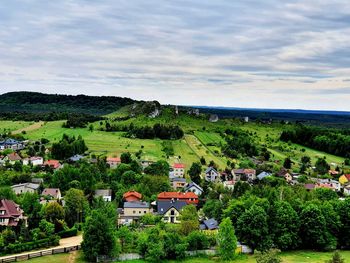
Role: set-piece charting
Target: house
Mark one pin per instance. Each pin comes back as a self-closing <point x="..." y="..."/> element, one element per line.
<point x="263" y="175"/>
<point x="243" y="174"/>
<point x="178" y="170"/>
<point x="332" y="183"/>
<point x="13" y="157"/>
<point x="283" y="172"/>
<point x="209" y="224"/>
<point x="106" y="194"/>
<point x="35" y="161"/>
<point x="25" y="188"/>
<point x="10" y="213"/>
<point x="132" y="212"/>
<point x="229" y="184"/>
<point x="326" y="185"/>
<point x="345" y="178"/>
<point x="132" y="196"/>
<point x="211" y="175"/>
<point x="178" y="183"/>
<point x="347" y="190"/>
<point x="170" y="210"/>
<point x="113" y="162"/>
<point x="193" y="187"/>
<point x="189" y="197"/>
<point x="53" y="164"/>
<point x="52" y="193"/>
<point x="11" y="144"/>
<point x="333" y="172"/>
<point x="76" y="158"/>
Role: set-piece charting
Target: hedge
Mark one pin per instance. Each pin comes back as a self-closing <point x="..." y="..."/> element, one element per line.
<point x="68" y="233"/>
<point x="43" y="243"/>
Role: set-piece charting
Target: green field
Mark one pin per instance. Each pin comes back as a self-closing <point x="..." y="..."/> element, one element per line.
<point x="7" y="126"/>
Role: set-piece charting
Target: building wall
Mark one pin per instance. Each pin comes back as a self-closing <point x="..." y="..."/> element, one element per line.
<point x="172" y="216"/>
<point x="136" y="211"/>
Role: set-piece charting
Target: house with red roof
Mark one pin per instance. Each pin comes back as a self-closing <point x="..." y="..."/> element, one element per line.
<point x="54" y="164"/>
<point x="113" y="162"/>
<point x="178" y="170"/>
<point x="132" y="196"/>
<point x="13" y="157"/>
<point x="10" y="213"/>
<point x="52" y="193"/>
<point x="189" y="197"/>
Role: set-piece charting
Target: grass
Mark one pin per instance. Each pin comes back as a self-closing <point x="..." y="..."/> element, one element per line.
<point x="287" y="257"/>
<point x="7" y="126"/>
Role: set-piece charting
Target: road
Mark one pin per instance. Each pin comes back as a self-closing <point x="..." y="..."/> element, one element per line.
<point x="64" y="242"/>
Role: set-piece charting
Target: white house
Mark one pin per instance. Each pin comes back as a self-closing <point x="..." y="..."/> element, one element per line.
<point x="211" y="175"/>
<point x="178" y="170"/>
<point x="25" y="188"/>
<point x="193" y="187"/>
<point x="35" y="160"/>
<point x="106" y="194"/>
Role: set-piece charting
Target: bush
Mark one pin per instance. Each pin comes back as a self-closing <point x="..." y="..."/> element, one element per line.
<point x="68" y="233"/>
<point x="198" y="240"/>
<point x="43" y="243"/>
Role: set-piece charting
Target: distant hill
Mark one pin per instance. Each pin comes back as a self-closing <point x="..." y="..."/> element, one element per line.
<point x="34" y="102"/>
<point x="316" y="117"/>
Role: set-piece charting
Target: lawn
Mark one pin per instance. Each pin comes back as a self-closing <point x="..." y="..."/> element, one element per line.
<point x="6" y="126"/>
<point x="287" y="257"/>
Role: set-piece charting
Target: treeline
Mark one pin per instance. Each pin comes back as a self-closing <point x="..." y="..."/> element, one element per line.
<point x="239" y="143"/>
<point x="67" y="147"/>
<point x="47" y="116"/>
<point x="272" y="215"/>
<point x="80" y="120"/>
<point x="333" y="141"/>
<point x="161" y="131"/>
<point x="39" y="102"/>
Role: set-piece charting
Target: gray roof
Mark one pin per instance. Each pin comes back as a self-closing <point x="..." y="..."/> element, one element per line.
<point x="103" y="192"/>
<point x="211" y="224"/>
<point x="263" y="175"/>
<point x="76" y="158"/>
<point x="28" y="185"/>
<point x="164" y="206"/>
<point x="193" y="184"/>
<point x="178" y="179"/>
<point x="209" y="169"/>
<point x="136" y="204"/>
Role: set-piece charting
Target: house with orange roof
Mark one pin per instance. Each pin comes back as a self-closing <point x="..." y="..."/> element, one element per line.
<point x="54" y="164"/>
<point x="113" y="162"/>
<point x="189" y="197"/>
<point x="132" y="196"/>
<point x="345" y="178"/>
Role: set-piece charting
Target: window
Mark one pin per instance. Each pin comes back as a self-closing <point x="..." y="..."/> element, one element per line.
<point x="2" y="212"/>
<point x="139" y="212"/>
<point x="2" y="220"/>
<point x="144" y="212"/>
<point x="134" y="212"/>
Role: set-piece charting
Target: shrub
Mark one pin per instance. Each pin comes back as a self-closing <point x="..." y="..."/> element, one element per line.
<point x="68" y="233"/>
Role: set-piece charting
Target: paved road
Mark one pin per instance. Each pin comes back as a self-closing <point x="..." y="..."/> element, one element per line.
<point x="64" y="242"/>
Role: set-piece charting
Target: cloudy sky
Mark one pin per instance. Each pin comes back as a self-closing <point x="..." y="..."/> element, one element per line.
<point x="262" y="54"/>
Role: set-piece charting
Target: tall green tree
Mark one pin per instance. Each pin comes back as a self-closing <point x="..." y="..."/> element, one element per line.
<point x="227" y="240"/>
<point x="189" y="220"/>
<point x="99" y="237"/>
<point x="195" y="172"/>
<point x="252" y="228"/>
<point x="284" y="225"/>
<point x="75" y="207"/>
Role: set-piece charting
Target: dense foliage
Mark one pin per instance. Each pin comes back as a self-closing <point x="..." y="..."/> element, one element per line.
<point x="333" y="141"/>
<point x="67" y="147"/>
<point x="239" y="143"/>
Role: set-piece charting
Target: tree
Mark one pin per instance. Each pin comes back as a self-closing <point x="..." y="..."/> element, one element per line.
<point x="270" y="256"/>
<point x="213" y="208"/>
<point x="189" y="220"/>
<point x="203" y="161"/>
<point x="287" y="163"/>
<point x="315" y="234"/>
<point x="31" y="207"/>
<point x="54" y="213"/>
<point x="195" y="172"/>
<point x="284" y="226"/>
<point x="227" y="240"/>
<point x="158" y="168"/>
<point x="125" y="158"/>
<point x="99" y="237"/>
<point x="75" y="206"/>
<point x="252" y="228"/>
<point x="322" y="167"/>
<point x="336" y="258"/>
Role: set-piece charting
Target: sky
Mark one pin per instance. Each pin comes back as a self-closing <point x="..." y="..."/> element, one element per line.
<point x="255" y="54"/>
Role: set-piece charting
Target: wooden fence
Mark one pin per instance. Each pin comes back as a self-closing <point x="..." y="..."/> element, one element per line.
<point x="39" y="254"/>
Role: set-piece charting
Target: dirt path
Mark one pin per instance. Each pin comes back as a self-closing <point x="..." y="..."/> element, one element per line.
<point x="32" y="127"/>
<point x="64" y="242"/>
<point x="72" y="256"/>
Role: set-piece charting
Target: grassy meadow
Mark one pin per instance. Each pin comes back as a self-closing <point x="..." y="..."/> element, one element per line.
<point x="202" y="138"/>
